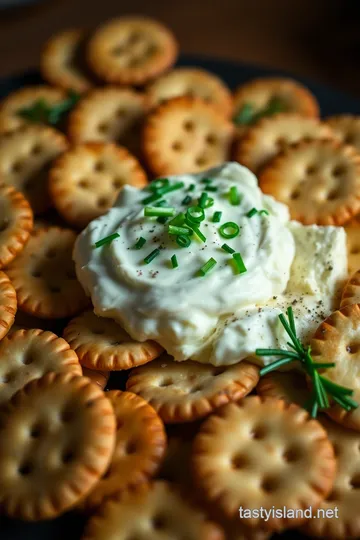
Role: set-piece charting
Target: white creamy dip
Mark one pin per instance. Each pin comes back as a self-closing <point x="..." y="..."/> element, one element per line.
<point x="222" y="317"/>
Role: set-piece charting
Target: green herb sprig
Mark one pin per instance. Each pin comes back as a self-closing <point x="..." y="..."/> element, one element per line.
<point x="323" y="390"/>
<point x="248" y="115"/>
<point x="45" y="113"/>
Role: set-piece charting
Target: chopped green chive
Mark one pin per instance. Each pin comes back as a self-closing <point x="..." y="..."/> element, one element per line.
<point x="106" y="240"/>
<point x="191" y="187"/>
<point x="245" y="115"/>
<point x="216" y="217"/>
<point x="140" y="243"/>
<point x="198" y="233"/>
<point x="234" y="196"/>
<point x="187" y="200"/>
<point x="239" y="263"/>
<point x="151" y="211"/>
<point x="152" y="256"/>
<point x="174" y="261"/>
<point x="183" y="241"/>
<point x="206" y="181"/>
<point x="227" y="248"/>
<point x="265" y="212"/>
<point x="195" y="214"/>
<point x="161" y="203"/>
<point x="158" y="184"/>
<point x="162" y="191"/>
<point x="178" y="220"/>
<point x="212" y="188"/>
<point x="229" y="230"/>
<point x="162" y="219"/>
<point x="207" y="267"/>
<point x="173" y="229"/>
<point x="203" y="199"/>
<point x="251" y="213"/>
<point x="209" y="203"/>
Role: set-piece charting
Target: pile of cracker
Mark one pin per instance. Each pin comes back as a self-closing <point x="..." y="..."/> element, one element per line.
<point x="185" y="446"/>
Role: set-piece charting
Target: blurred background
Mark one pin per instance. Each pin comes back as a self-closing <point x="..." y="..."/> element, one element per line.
<point x="319" y="39"/>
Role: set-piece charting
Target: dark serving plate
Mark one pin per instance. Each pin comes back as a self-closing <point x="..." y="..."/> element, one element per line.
<point x="331" y="101"/>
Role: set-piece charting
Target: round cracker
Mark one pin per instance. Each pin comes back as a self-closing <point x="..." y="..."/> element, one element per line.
<point x="30" y="354"/>
<point x="102" y="344"/>
<point x="291" y="386"/>
<point x="62" y="428"/>
<point x="193" y="82"/>
<point x="351" y="291"/>
<point x="186" y="391"/>
<point x="44" y="275"/>
<point x="338" y="340"/>
<point x="345" y="494"/>
<point x="186" y="134"/>
<point x="85" y="181"/>
<point x="263" y="452"/>
<point x="61" y="61"/>
<point x="16" y="223"/>
<point x="26" y="97"/>
<point x="347" y="128"/>
<point x="139" y="447"/>
<point x="268" y="137"/>
<point x="157" y="509"/>
<point x="131" y="50"/>
<point x="109" y="114"/>
<point x="98" y="377"/>
<point x="352" y="229"/>
<point x="8" y="304"/>
<point x="25" y="156"/>
<point x="318" y="180"/>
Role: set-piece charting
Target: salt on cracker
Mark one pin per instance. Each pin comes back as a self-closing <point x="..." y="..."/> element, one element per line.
<point x="318" y="180"/>
<point x="186" y="391"/>
<point x="98" y="377"/>
<point x="44" y="275"/>
<point x="186" y="134"/>
<point x="273" y="134"/>
<point x="193" y="82"/>
<point x="16" y="223"/>
<point x="8" y="304"/>
<point x="139" y="447"/>
<point x="26" y="97"/>
<point x="25" y="157"/>
<point x="85" y="181"/>
<point x="101" y="343"/>
<point x="290" y="386"/>
<point x="109" y="114"/>
<point x="263" y="452"/>
<point x="158" y="509"/>
<point x="62" y="428"/>
<point x="338" y="340"/>
<point x="62" y="63"/>
<point x="351" y="291"/>
<point x="352" y="229"/>
<point x="346" y="127"/>
<point x="131" y="50"/>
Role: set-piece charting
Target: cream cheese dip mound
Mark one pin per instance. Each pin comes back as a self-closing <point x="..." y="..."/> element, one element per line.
<point x="223" y="316"/>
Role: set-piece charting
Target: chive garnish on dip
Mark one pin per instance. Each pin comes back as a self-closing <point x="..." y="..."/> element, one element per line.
<point x="106" y="240"/>
<point x="228" y="249"/>
<point x="229" y="230"/>
<point x="251" y="213"/>
<point x="217" y="217"/>
<point x="239" y="263"/>
<point x="44" y="112"/>
<point x="203" y="199"/>
<point x="152" y="211"/>
<point x="322" y="388"/>
<point x="212" y="188"/>
<point x="140" y="243"/>
<point x="174" y="261"/>
<point x="191" y="187"/>
<point x="207" y="181"/>
<point x="173" y="229"/>
<point x="195" y="214"/>
<point x="187" y="200"/>
<point x="152" y="256"/>
<point x="183" y="241"/>
<point x="234" y="196"/>
<point x="209" y="265"/>
<point x="168" y="188"/>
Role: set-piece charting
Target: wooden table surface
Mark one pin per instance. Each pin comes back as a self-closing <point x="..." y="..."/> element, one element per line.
<point x="313" y="38"/>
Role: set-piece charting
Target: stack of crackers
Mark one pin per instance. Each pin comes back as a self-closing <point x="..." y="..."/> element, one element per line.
<point x="182" y="449"/>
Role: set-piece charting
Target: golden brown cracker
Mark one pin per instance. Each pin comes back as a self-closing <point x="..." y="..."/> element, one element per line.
<point x="44" y="275"/>
<point x="98" y="377"/>
<point x="346" y="127"/>
<point x="8" y="305"/>
<point x="318" y="180"/>
<point x="185" y="134"/>
<point x="186" y="391"/>
<point x="351" y="291"/>
<point x="57" y="438"/>
<point x="102" y="344"/>
<point x="263" y="452"/>
<point x="85" y="181"/>
<point x="291" y="386"/>
<point x="131" y="50"/>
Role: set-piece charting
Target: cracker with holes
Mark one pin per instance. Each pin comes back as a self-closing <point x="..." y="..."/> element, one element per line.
<point x="109" y="114"/>
<point x="338" y="340"/>
<point x="347" y="128"/>
<point x="352" y="229"/>
<point x="159" y="509"/>
<point x="8" y="304"/>
<point x="290" y="386"/>
<point x="318" y="180"/>
<point x="139" y="447"/>
<point x="30" y="354"/>
<point x="62" y="428"/>
<point x="44" y="275"/>
<point x="131" y="50"/>
<point x="62" y="63"/>
<point x="25" y="158"/>
<point x="11" y="118"/>
<point x="344" y="500"/>
<point x="98" y="377"/>
<point x="16" y="223"/>
<point x="351" y="291"/>
<point x="186" y="391"/>
<point x="85" y="181"/>
<point x="193" y="82"/>
<point x="186" y="134"/>
<point x="273" y="134"/>
<point x="102" y="344"/>
<point x="263" y="452"/>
